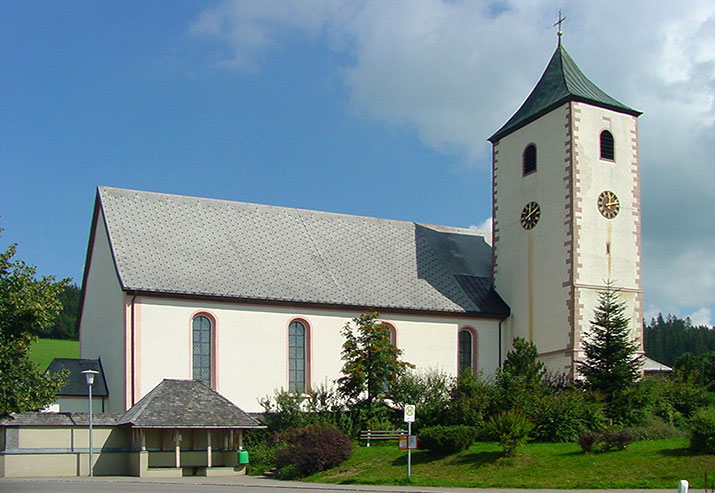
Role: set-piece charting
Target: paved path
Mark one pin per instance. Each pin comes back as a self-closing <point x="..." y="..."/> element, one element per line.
<point x="243" y="484"/>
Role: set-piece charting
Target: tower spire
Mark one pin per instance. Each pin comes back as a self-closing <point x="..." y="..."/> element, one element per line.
<point x="558" y="23"/>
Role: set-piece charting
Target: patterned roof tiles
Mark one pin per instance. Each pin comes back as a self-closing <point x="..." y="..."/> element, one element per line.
<point x="206" y="247"/>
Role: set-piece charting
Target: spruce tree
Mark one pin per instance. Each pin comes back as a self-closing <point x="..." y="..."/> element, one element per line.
<point x="612" y="363"/>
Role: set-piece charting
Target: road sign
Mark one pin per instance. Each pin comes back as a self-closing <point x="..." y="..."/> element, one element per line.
<point x="409" y="413"/>
<point x="407" y="442"/>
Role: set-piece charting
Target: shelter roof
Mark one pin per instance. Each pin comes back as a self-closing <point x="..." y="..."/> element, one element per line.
<point x="186" y="404"/>
<point x="179" y="245"/>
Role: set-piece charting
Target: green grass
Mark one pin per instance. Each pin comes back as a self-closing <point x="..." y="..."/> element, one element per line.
<point x="43" y="351"/>
<point x="646" y="464"/>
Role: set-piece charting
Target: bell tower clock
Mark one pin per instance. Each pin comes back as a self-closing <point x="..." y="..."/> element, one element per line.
<point x="566" y="211"/>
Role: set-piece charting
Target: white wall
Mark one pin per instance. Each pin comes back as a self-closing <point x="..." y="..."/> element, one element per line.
<point x="252" y="357"/>
<point x="102" y="324"/>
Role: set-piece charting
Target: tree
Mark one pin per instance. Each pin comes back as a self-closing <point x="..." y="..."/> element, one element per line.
<point x="26" y="305"/>
<point x="520" y="381"/>
<point x="612" y="364"/>
<point x="372" y="362"/>
<point x="65" y="325"/>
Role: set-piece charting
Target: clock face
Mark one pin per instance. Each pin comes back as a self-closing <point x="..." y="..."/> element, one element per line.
<point x="530" y="215"/>
<point x="608" y="204"/>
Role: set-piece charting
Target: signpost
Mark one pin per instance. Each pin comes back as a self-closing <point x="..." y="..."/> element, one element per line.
<point x="411" y="441"/>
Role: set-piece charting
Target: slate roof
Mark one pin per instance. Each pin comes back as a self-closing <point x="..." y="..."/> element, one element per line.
<point x="61" y="419"/>
<point x="76" y="384"/>
<point x="186" y="404"/>
<point x="562" y="81"/>
<point x="183" y="245"/>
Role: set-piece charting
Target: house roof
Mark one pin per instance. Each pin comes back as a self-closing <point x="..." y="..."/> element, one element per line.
<point x="173" y="244"/>
<point x="562" y="81"/>
<point x="651" y="365"/>
<point x="186" y="404"/>
<point x="76" y="385"/>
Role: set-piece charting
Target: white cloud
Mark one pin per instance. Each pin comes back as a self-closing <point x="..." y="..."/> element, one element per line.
<point x="456" y="70"/>
<point x="702" y="316"/>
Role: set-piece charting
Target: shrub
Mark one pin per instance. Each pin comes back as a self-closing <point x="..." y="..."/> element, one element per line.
<point x="588" y="441"/>
<point x="702" y="425"/>
<point x="428" y="390"/>
<point x="313" y="449"/>
<point x="447" y="439"/>
<point x="605" y="442"/>
<point x="471" y="399"/>
<point x="655" y="428"/>
<point x="564" y="417"/>
<point x="510" y="429"/>
<point x="616" y="440"/>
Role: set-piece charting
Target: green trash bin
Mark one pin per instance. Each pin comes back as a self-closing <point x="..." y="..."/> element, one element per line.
<point x="243" y="456"/>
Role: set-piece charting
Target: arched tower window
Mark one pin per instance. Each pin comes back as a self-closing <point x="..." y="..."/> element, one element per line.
<point x="297" y="357"/>
<point x="607" y="151"/>
<point x="529" y="159"/>
<point x="201" y="343"/>
<point x="466" y="350"/>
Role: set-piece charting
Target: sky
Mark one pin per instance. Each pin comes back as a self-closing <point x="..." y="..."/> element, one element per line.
<point x="362" y="107"/>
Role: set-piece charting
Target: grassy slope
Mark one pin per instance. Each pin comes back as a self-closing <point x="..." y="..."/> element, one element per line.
<point x="646" y="464"/>
<point x="44" y="351"/>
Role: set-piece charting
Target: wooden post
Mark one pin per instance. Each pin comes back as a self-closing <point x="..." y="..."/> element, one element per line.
<point x="208" y="448"/>
<point x="240" y="439"/>
<point x="142" y="439"/>
<point x="177" y="449"/>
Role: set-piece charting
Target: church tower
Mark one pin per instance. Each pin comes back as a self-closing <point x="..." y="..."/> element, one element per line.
<point x="566" y="209"/>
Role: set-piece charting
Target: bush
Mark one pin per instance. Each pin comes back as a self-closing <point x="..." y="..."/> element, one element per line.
<point x="702" y="425"/>
<point x="655" y="428"/>
<point x="510" y="429"/>
<point x="605" y="442"/>
<point x="471" y="400"/>
<point x="428" y="390"/>
<point x="313" y="449"/>
<point x="588" y="441"/>
<point x="615" y="440"/>
<point x="447" y="439"/>
<point x="564" y="417"/>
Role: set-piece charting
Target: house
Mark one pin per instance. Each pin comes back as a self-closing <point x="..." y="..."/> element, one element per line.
<point x="73" y="395"/>
<point x="251" y="298"/>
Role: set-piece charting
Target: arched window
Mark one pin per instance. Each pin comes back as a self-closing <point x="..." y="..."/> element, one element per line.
<point x="393" y="333"/>
<point x="201" y="327"/>
<point x="466" y="350"/>
<point x="607" y="151"/>
<point x="297" y="337"/>
<point x="529" y="159"/>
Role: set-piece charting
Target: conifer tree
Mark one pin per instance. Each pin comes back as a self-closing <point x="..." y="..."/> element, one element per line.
<point x="612" y="363"/>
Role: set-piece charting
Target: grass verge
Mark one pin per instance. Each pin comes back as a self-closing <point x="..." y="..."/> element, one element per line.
<point x="43" y="351"/>
<point x="646" y="464"/>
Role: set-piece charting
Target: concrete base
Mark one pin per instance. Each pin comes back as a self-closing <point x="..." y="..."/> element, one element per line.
<point x="221" y="471"/>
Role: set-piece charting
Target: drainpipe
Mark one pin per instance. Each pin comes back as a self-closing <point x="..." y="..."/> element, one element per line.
<point x="133" y="355"/>
<point x="500" y="336"/>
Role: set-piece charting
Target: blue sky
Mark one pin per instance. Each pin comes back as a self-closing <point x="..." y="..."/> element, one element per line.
<point x="363" y="107"/>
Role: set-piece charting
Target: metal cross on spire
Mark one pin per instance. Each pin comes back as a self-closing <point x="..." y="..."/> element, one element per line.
<point x="558" y="23"/>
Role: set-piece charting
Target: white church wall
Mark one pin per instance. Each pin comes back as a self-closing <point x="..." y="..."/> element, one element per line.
<point x="533" y="265"/>
<point x="102" y="326"/>
<point x="608" y="249"/>
<point x="252" y="344"/>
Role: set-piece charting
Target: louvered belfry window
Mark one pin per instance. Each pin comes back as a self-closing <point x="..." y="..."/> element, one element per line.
<point x="296" y="357"/>
<point x="607" y="151"/>
<point x="201" y="326"/>
<point x="529" y="159"/>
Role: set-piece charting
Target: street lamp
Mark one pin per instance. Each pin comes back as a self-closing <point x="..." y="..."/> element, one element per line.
<point x="89" y="376"/>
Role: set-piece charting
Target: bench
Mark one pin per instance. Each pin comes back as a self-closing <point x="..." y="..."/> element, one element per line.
<point x="369" y="435"/>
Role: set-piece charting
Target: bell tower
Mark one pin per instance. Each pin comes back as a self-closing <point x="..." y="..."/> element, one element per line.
<point x="566" y="211"/>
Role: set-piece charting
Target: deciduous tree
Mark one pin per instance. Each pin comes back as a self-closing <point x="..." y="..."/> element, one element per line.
<point x="26" y="305"/>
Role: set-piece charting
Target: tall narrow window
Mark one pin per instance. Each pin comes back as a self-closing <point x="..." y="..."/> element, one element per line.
<point x="296" y="357"/>
<point x="529" y="159"/>
<point x="201" y="326"/>
<point x="607" y="151"/>
<point x="466" y="352"/>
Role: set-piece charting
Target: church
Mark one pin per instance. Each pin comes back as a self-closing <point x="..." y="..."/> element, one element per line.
<point x="251" y="298"/>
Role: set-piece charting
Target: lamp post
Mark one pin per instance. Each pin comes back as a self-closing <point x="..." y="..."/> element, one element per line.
<point x="89" y="376"/>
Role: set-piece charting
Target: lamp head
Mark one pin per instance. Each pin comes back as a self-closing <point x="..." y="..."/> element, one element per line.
<point x="89" y="376"/>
